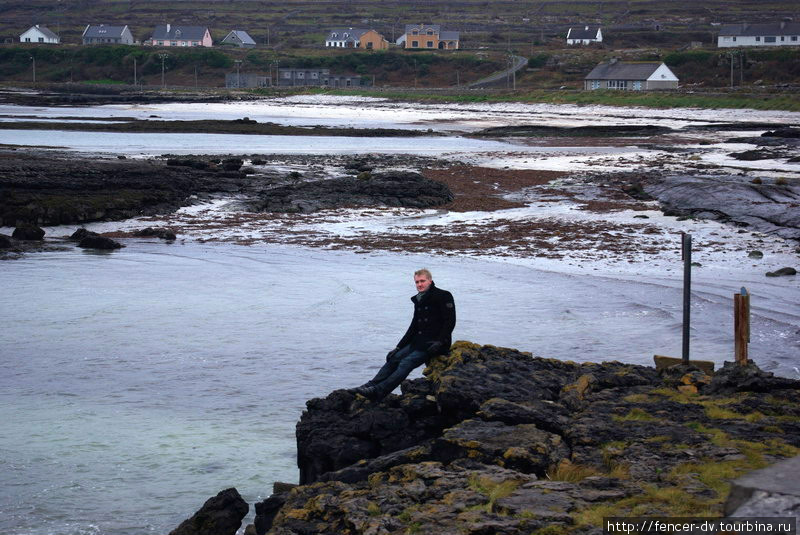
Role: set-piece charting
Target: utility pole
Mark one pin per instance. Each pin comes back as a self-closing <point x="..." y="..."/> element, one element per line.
<point x="163" y="80"/>
<point x="33" y="59"/>
<point x="195" y="76"/>
<point x="238" y="63"/>
<point x="731" y="69"/>
<point x="134" y="72"/>
<point x="686" y="253"/>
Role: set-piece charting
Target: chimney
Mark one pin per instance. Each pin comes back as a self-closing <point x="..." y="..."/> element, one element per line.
<point x="783" y="24"/>
<point x="168" y="26"/>
<point x="586" y="28"/>
<point x="612" y="61"/>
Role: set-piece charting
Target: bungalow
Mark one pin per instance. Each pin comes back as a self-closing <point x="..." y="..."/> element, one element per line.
<point x="39" y="34"/>
<point x="239" y="38"/>
<point x="635" y="76"/>
<point x="772" y="34"/>
<point x="372" y="40"/>
<point x="344" y="38"/>
<point x="99" y="34"/>
<point x="318" y="77"/>
<point x="585" y="35"/>
<point x="428" y="36"/>
<point x="168" y="35"/>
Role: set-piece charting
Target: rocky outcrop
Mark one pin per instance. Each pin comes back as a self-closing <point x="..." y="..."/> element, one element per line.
<point x="163" y="233"/>
<point x="772" y="208"/>
<point x="497" y="441"/>
<point x="99" y="242"/>
<point x="220" y="515"/>
<point x="397" y="188"/>
<point x="28" y="232"/>
<point x="782" y="272"/>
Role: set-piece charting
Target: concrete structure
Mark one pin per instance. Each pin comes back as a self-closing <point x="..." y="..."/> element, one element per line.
<point x="239" y="38"/>
<point x="428" y="36"/>
<point x="770" y="492"/>
<point x="631" y="76"/>
<point x="584" y="35"/>
<point x="180" y="36"/>
<point x="241" y="79"/>
<point x="317" y="77"/>
<point x="344" y="38"/>
<point x="102" y="34"/>
<point x="39" y="34"/>
<point x="774" y="34"/>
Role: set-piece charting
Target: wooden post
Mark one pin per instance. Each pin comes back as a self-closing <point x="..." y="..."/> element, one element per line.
<point x="741" y="325"/>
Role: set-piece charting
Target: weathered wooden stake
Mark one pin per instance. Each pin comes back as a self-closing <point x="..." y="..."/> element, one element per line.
<point x="741" y="325"/>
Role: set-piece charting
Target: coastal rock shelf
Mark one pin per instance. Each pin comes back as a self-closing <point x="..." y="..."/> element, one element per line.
<point x="494" y="440"/>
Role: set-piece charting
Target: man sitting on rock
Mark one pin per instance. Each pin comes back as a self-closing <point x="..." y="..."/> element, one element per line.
<point x="429" y="334"/>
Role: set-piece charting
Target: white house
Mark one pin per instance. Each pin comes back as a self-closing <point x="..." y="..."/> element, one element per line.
<point x="631" y="75"/>
<point x="584" y="35"/>
<point x="39" y="34"/>
<point x="239" y="38"/>
<point x="345" y="38"/>
<point x="772" y="34"/>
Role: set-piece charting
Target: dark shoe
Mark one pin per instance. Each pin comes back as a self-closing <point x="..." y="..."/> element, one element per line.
<point x="358" y="389"/>
<point x="371" y="392"/>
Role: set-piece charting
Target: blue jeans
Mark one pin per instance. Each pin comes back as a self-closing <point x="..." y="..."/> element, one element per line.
<point x="398" y="367"/>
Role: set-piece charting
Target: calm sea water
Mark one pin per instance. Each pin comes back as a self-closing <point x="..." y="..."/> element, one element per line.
<point x="136" y="384"/>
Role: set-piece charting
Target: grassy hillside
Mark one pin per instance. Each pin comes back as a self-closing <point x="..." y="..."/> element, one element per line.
<point x="291" y="33"/>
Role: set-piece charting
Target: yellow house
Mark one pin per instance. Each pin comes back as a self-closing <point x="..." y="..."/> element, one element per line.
<point x="372" y="40"/>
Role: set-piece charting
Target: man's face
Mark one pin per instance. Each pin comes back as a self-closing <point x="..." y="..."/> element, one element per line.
<point x="422" y="282"/>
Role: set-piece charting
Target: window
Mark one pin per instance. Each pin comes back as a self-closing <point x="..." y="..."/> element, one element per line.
<point x="734" y="39"/>
<point x="794" y="38"/>
<point x="348" y="82"/>
<point x="414" y="44"/>
<point x="369" y="45"/>
<point x="27" y="39"/>
<point x="415" y="32"/>
<point x="637" y="86"/>
<point x="315" y="75"/>
<point x="41" y="39"/>
<point x="183" y="43"/>
<point x="623" y="84"/>
<point x="430" y="44"/>
<point x="430" y="32"/>
<point x="770" y="39"/>
<point x="173" y="43"/>
<point x="287" y="74"/>
<point x="595" y="84"/>
<point x="783" y="39"/>
<point x="758" y="38"/>
<point x="301" y="75"/>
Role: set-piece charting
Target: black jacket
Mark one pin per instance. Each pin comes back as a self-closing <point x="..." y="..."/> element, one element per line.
<point x="434" y="320"/>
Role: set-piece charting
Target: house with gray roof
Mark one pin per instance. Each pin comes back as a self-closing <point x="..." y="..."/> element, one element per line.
<point x="584" y="35"/>
<point x="180" y="36"/>
<point x="631" y="76"/>
<point x="39" y="34"/>
<point x="770" y="34"/>
<point x="103" y="34"/>
<point x="239" y="38"/>
<point x="429" y="36"/>
<point x="344" y="37"/>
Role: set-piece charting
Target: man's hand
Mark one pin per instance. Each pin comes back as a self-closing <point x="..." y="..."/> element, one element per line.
<point x="391" y="353"/>
<point x="434" y="347"/>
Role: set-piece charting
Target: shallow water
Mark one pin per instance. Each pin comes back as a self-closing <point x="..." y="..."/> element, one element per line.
<point x="136" y="384"/>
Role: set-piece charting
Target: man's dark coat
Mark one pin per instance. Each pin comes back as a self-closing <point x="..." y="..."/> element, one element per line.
<point x="434" y="320"/>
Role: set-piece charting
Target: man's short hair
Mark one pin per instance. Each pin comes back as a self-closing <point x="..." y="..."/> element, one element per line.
<point x="423" y="272"/>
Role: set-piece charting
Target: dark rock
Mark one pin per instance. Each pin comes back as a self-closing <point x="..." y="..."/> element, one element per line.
<point x="163" y="233"/>
<point x="232" y="164"/>
<point x="761" y="207"/>
<point x="383" y="189"/>
<point x="99" y="242"/>
<point x="498" y="441"/>
<point x="749" y="378"/>
<point x="28" y="232"/>
<point x="783" y="132"/>
<point x="755" y="254"/>
<point x="5" y="241"/>
<point x="82" y="233"/>
<point x="220" y="515"/>
<point x="782" y="272"/>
